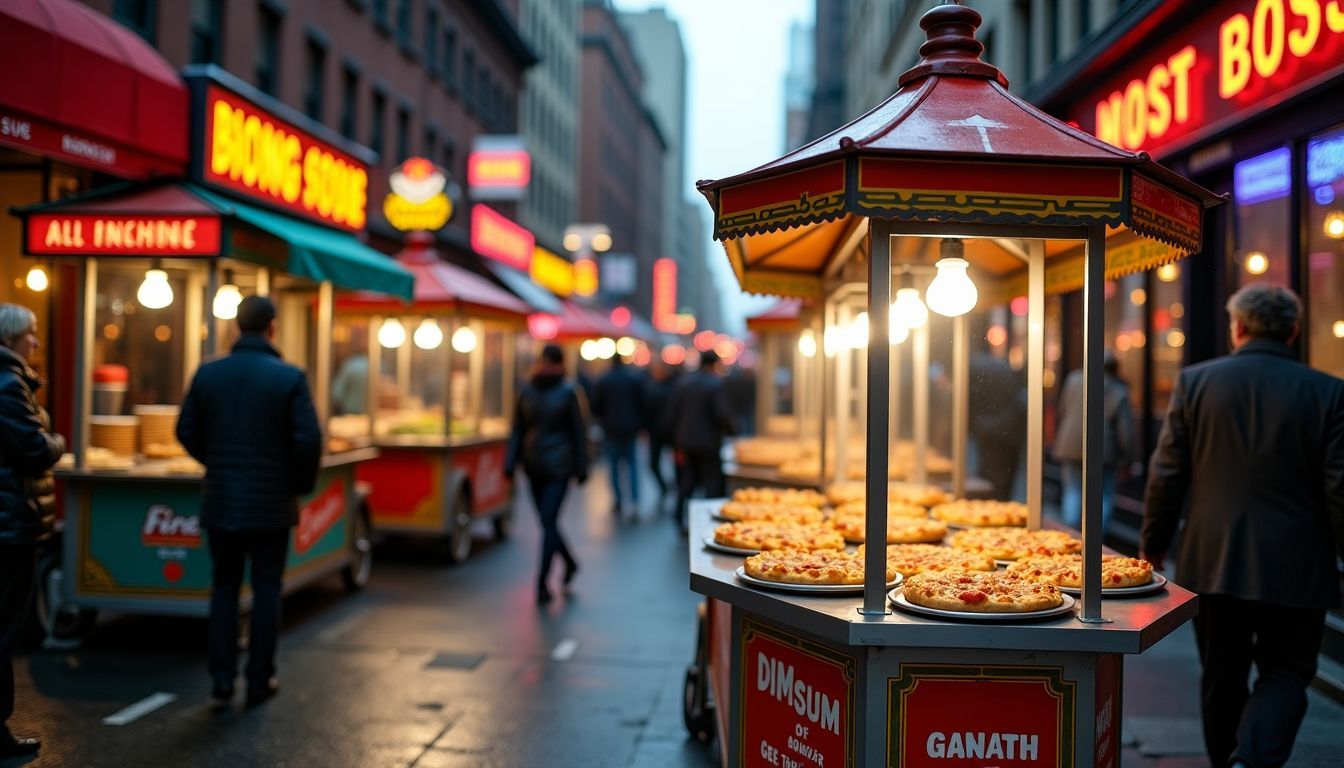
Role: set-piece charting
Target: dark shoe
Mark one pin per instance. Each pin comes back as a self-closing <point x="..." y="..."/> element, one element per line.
<point x="222" y="692"/>
<point x="16" y="747"/>
<point x="571" y="569"/>
<point x="543" y="596"/>
<point x="257" y="694"/>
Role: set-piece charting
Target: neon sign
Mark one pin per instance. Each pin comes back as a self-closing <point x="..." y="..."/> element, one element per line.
<point x="1263" y="177"/>
<point x="585" y="277"/>
<point x="552" y="271"/>
<point x="417" y="200"/>
<point x="665" y="295"/>
<point x="118" y="235"/>
<point x="495" y="237"/>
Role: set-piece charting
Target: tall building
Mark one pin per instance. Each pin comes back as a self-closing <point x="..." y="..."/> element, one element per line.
<point x="798" y="84"/>
<point x="829" y="106"/>
<point x="549" y="117"/>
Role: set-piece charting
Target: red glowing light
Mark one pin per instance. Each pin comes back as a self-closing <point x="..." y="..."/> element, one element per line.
<point x="1019" y="306"/>
<point x="665" y="295"/>
<point x="620" y="317"/>
<point x="543" y="327"/>
<point x="705" y="340"/>
<point x="674" y="354"/>
<point x="495" y="237"/>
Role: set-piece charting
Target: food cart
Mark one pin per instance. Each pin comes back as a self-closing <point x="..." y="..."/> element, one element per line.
<point x="808" y="679"/>
<point x="161" y="269"/>
<point x="430" y="384"/>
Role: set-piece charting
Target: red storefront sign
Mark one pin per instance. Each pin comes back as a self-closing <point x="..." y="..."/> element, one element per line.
<point x="665" y="295"/>
<point x="54" y="234"/>
<point x="505" y="169"/>
<point x="798" y="701"/>
<point x="953" y="716"/>
<point x="484" y="468"/>
<point x="38" y="136"/>
<point x="250" y="152"/>
<point x="1238" y="57"/>
<point x="495" y="237"/>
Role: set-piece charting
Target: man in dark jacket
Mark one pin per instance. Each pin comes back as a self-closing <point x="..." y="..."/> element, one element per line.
<point x="997" y="403"/>
<point x="249" y="418"/>
<point x="28" y="450"/>
<point x="549" y="440"/>
<point x="1253" y="449"/>
<point x="657" y="395"/>
<point x="618" y="407"/>
<point x="700" y="417"/>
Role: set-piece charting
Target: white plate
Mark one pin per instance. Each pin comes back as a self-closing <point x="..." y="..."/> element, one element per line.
<point x="833" y="589"/>
<point x="898" y="599"/>
<point x="1159" y="581"/>
<point x="710" y="543"/>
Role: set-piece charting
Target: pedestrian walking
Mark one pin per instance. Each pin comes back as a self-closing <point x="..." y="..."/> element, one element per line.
<point x="249" y="418"/>
<point x="1117" y="442"/>
<point x="998" y="420"/>
<point x="549" y="441"/>
<point x="1253" y="450"/>
<point x="618" y="406"/>
<point x="699" y="417"/>
<point x="28" y="450"/>
<point x="657" y="396"/>
<point x="741" y="386"/>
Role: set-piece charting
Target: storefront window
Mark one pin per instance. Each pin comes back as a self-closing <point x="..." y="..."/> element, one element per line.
<point x="1261" y="185"/>
<point x="1169" y="328"/>
<point x="413" y="388"/>
<point x="494" y="383"/>
<point x="147" y="349"/>
<point x="1126" y="303"/>
<point x="1325" y="250"/>
<point x="349" y="420"/>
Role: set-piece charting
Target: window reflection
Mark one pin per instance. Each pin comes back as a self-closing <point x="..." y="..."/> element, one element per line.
<point x="1261" y="185"/>
<point x="1325" y="250"/>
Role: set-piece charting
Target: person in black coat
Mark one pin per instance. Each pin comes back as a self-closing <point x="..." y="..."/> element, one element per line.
<point x="28" y="450"/>
<point x="249" y="418"/>
<point x="549" y="441"/>
<point x="998" y="419"/>
<point x="699" y="417"/>
<point x="618" y="406"/>
<point x="1252" y="450"/>
<point x="658" y="387"/>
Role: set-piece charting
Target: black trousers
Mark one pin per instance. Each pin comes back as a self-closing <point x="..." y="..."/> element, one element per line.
<point x="656" y="448"/>
<point x="1256" y="726"/>
<point x="702" y="470"/>
<point x="549" y="496"/>
<point x="18" y="566"/>
<point x="265" y="550"/>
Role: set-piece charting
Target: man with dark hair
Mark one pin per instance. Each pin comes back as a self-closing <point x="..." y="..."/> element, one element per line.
<point x="618" y="406"/>
<point x="699" y="417"/>
<point x="1253" y="449"/>
<point x="249" y="418"/>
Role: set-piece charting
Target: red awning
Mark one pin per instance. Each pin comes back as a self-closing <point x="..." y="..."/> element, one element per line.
<point x="580" y="322"/>
<point x="783" y="316"/>
<point x="81" y="88"/>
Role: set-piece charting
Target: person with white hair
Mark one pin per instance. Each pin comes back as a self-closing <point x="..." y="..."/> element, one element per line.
<point x="28" y="450"/>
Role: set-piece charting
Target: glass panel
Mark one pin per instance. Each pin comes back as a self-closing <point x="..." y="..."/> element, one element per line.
<point x="413" y="388"/>
<point x="348" y="425"/>
<point x="1126" y="302"/>
<point x="1260" y="189"/>
<point x="1325" y="251"/>
<point x="494" y="394"/>
<point x="1168" y="335"/>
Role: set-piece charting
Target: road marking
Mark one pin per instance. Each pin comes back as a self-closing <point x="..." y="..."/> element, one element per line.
<point x="564" y="651"/>
<point x="140" y="708"/>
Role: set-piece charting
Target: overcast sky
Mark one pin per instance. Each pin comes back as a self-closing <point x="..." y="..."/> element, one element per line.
<point x="737" y="51"/>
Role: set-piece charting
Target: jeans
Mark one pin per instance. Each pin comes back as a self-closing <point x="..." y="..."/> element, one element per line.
<point x="18" y="567"/>
<point x="549" y="496"/>
<point x="1071" y="502"/>
<point x="229" y="550"/>
<point x="621" y="450"/>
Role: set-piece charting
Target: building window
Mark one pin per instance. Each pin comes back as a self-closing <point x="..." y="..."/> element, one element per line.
<point x="404" y="23"/>
<point x="268" y="49"/>
<point x="139" y="15"/>
<point x="1261" y="187"/>
<point x="431" y="147"/>
<point x="449" y="157"/>
<point x="403" y="134"/>
<point x="469" y="80"/>
<point x="377" y="120"/>
<point x="207" y="29"/>
<point x="431" y="39"/>
<point x="1325" y="248"/>
<point x="317" y="80"/>
<point x="349" y="101"/>
<point x="450" y="56"/>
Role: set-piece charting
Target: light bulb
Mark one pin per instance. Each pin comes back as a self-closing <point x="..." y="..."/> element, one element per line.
<point x="37" y="279"/>
<point x="856" y="336"/>
<point x="807" y="343"/>
<point x="909" y="310"/>
<point x="464" y="339"/>
<point x="951" y="293"/>
<point x="830" y="341"/>
<point x="1168" y="273"/>
<point x="428" y="335"/>
<point x="601" y="242"/>
<point x="227" y="299"/>
<point x="896" y="333"/>
<point x="588" y="350"/>
<point x="155" y="292"/>
<point x="625" y="346"/>
<point x="392" y="334"/>
<point x="1334" y="227"/>
<point x="1257" y="263"/>
<point x="605" y="348"/>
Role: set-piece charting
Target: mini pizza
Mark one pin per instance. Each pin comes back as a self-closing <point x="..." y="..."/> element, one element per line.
<point x="769" y="511"/>
<point x="767" y="535"/>
<point x="766" y="451"/>
<point x="918" y="493"/>
<point x="980" y="592"/>
<point x="982" y="513"/>
<point x="790" y="496"/>
<point x="796" y="566"/>
<point x="894" y="509"/>
<point x="900" y="530"/>
<point x="1015" y="543"/>
<point x="909" y="559"/>
<point x="1117" y="572"/>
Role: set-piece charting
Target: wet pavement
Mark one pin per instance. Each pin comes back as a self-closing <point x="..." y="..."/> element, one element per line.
<point x="435" y="665"/>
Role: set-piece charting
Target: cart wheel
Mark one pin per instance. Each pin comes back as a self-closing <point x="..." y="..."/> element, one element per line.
<point x="459" y="529"/>
<point x="504" y="523"/>
<point x="698" y="716"/>
<point x="356" y="574"/>
<point x="56" y="620"/>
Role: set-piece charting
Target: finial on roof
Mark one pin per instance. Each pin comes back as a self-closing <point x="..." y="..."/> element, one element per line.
<point x="952" y="48"/>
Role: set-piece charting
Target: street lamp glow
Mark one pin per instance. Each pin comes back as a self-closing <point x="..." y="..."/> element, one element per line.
<point x="605" y="348"/>
<point x="36" y="279"/>
<point x="909" y="310"/>
<point x="1257" y="263"/>
<point x="464" y="340"/>
<point x="428" y="335"/>
<point x="625" y="346"/>
<point x="588" y="350"/>
<point x="1168" y="273"/>
<point x="1334" y="225"/>
<point x="392" y="334"/>
<point x="155" y="292"/>
<point x="807" y="343"/>
<point x="573" y="242"/>
<point x="227" y="299"/>
<point x="951" y="293"/>
<point x="601" y="242"/>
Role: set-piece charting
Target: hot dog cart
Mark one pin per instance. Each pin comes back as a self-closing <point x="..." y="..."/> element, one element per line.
<point x="951" y="172"/>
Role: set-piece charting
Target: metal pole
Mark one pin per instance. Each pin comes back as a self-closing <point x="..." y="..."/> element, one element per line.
<point x="195" y="313"/>
<point x="1094" y="340"/>
<point x="862" y="395"/>
<point x="844" y="393"/>
<point x="920" y="372"/>
<point x="823" y="386"/>
<point x="878" y="372"/>
<point x="1035" y="377"/>
<point x="961" y="365"/>
<point x="88" y="300"/>
<point x="322" y="376"/>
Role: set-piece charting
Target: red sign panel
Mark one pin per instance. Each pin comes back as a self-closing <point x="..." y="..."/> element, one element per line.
<point x="40" y="137"/>
<point x="117" y="235"/>
<point x="495" y="237"/>
<point x="951" y="716"/>
<point x="1239" y="57"/>
<point x="505" y="169"/>
<point x="484" y="468"/>
<point x="319" y="515"/>
<point x="665" y="295"/>
<point x="797" y="701"/>
<point x="252" y="153"/>
<point x="1107" y="738"/>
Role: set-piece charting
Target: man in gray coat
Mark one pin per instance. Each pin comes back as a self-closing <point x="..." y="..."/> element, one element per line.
<point x="1253" y="450"/>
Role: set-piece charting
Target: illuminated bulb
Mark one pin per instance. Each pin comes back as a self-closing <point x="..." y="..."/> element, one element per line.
<point x="951" y="293"/>
<point x="1338" y="329"/>
<point x="856" y="336"/>
<point x="428" y="335"/>
<point x="625" y="346"/>
<point x="1168" y="273"/>
<point x="155" y="292"/>
<point x="37" y="279"/>
<point x="605" y="348"/>
<point x="601" y="242"/>
<point x="588" y="350"/>
<point x="1257" y="263"/>
<point x="392" y="334"/>
<point x="1334" y="227"/>
<point x="830" y="341"/>
<point x="807" y="343"/>
<point x="573" y="242"/>
<point x="464" y="340"/>
<point x="896" y="333"/>
<point x="1175" y="338"/>
<point x="227" y="299"/>
<point x="909" y="310"/>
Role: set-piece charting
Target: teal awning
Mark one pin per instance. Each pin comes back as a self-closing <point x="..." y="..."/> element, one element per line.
<point x="319" y="253"/>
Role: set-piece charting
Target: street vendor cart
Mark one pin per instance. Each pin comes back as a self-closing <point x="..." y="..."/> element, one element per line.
<point x="952" y="172"/>
<point x="430" y="384"/>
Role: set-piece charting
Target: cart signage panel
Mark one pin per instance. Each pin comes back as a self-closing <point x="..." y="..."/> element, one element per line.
<point x="954" y="716"/>
<point x="56" y="234"/>
<point x="798" y="701"/>
<point x="484" y="468"/>
<point x="141" y="542"/>
<point x="252" y="153"/>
